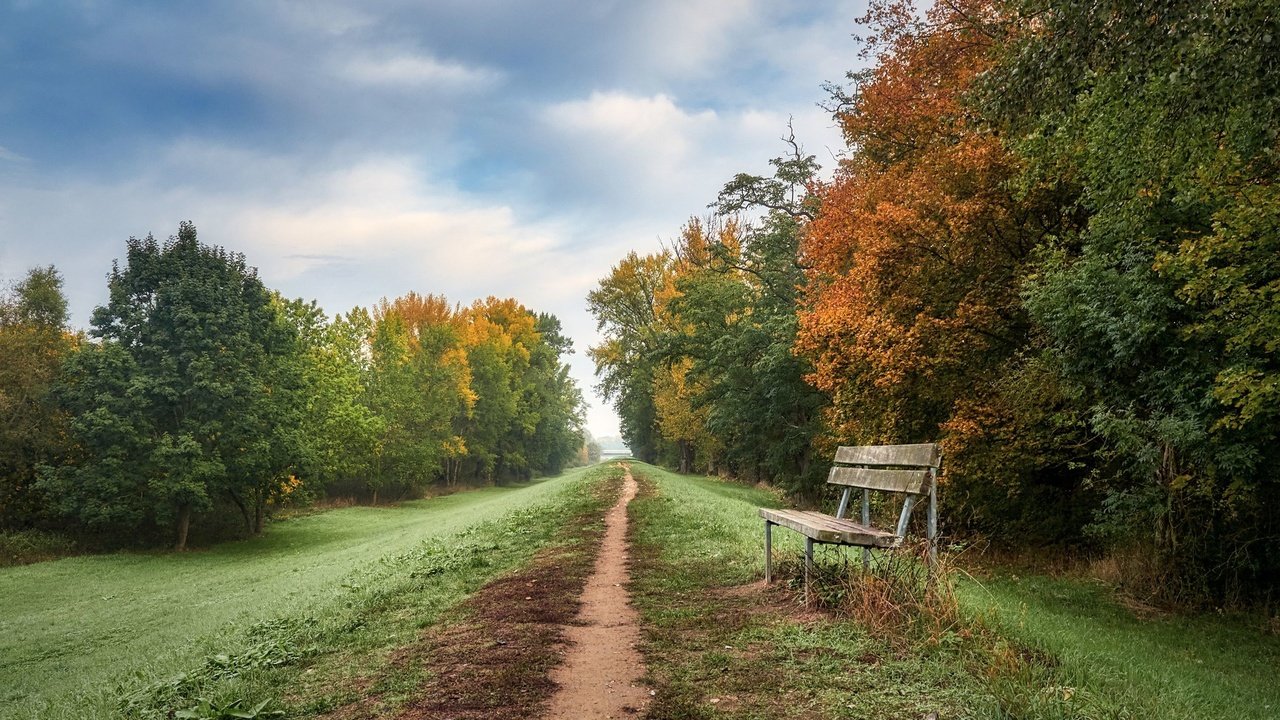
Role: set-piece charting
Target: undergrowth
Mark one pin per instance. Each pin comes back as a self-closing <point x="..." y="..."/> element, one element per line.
<point x="22" y="547"/>
<point x="897" y="592"/>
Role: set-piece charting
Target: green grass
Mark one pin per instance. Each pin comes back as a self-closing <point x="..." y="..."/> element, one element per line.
<point x="1204" y="666"/>
<point x="314" y="615"/>
<point x="717" y="650"/>
<point x="1030" y="648"/>
<point x="78" y="634"/>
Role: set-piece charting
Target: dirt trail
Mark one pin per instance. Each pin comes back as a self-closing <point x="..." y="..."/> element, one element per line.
<point x="600" y="675"/>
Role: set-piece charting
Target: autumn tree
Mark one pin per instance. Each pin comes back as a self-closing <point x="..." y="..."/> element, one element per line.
<point x="912" y="314"/>
<point x="477" y="393"/>
<point x="528" y="413"/>
<point x="34" y="342"/>
<point x="419" y="383"/>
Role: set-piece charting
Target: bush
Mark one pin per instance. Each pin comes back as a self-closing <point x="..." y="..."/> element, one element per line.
<point x="23" y="547"/>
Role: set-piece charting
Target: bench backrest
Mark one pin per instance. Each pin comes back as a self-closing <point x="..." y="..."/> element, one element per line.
<point x="892" y="468"/>
<point x="911" y="470"/>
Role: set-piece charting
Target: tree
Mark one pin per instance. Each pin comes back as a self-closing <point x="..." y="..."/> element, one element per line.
<point x="173" y="407"/>
<point x="419" y="384"/>
<point x="697" y="355"/>
<point x="338" y="430"/>
<point x="34" y="342"/>
<point x="740" y="308"/>
<point x="678" y="419"/>
<point x="626" y="307"/>
<point x="554" y="398"/>
<point x="1160" y="312"/>
<point x="912" y="314"/>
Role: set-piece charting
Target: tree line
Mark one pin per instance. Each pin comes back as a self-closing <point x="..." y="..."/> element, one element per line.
<point x="1052" y="243"/>
<point x="199" y="395"/>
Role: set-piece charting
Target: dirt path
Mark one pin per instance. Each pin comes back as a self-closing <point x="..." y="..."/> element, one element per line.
<point x="600" y="675"/>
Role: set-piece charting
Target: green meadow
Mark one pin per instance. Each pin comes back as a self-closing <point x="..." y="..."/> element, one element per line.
<point x="309" y="618"/>
<point x="1030" y="647"/>
<point x="75" y="634"/>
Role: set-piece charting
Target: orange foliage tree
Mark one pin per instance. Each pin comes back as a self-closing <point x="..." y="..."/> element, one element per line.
<point x="911" y="315"/>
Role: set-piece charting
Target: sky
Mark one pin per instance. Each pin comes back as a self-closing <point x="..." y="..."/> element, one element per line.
<point x="354" y="151"/>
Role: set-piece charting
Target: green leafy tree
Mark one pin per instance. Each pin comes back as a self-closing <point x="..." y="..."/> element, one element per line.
<point x="739" y="307"/>
<point x="1160" y="314"/>
<point x="338" y="431"/>
<point x="626" y="307"/>
<point x="173" y="407"/>
<point x="554" y="399"/>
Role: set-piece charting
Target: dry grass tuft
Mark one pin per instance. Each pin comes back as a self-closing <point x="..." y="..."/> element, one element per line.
<point x="897" y="594"/>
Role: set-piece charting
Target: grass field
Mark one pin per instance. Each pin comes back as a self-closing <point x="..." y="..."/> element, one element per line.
<point x="322" y="613"/>
<point x="1030" y="648"/>
<point x="77" y="635"/>
<point x="1189" y="667"/>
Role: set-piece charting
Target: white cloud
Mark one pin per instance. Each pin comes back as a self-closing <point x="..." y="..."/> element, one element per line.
<point x="411" y="70"/>
<point x="629" y="119"/>
<point x="648" y="159"/>
<point x="380" y="212"/>
<point x="691" y="37"/>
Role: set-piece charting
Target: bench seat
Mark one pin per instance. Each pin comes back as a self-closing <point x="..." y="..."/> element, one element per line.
<point x="909" y="471"/>
<point x="831" y="530"/>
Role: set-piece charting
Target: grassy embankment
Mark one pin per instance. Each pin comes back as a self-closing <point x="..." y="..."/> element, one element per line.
<point x="313" y="606"/>
<point x="1031" y="648"/>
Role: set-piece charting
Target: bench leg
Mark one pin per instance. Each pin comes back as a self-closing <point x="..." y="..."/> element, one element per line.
<point x="768" y="552"/>
<point x="933" y="521"/>
<point x="866" y="520"/>
<point x="808" y="564"/>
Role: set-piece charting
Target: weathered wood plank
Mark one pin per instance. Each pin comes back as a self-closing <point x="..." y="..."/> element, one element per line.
<point x="908" y="469"/>
<point x="914" y="482"/>
<point x="830" y="530"/>
<point x="921" y="455"/>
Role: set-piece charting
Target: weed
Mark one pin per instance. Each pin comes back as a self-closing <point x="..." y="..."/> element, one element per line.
<point x="22" y="547"/>
<point x="208" y="710"/>
<point x="896" y="592"/>
<point x="277" y="643"/>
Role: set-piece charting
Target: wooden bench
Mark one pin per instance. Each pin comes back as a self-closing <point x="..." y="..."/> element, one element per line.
<point x="907" y="470"/>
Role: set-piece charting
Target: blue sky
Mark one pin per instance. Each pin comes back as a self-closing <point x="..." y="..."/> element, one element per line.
<point x="360" y="150"/>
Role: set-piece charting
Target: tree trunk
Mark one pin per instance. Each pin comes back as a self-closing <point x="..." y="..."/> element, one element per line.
<point x="184" y="524"/>
<point x="375" y="496"/>
<point x="686" y="456"/>
<point x="259" y="514"/>
<point x="244" y="511"/>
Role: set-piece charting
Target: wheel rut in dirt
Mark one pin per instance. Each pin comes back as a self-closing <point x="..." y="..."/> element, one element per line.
<point x="600" y="675"/>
